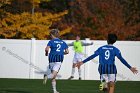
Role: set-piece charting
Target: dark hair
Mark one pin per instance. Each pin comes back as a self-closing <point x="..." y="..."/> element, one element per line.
<point x="111" y="38"/>
<point x="55" y="32"/>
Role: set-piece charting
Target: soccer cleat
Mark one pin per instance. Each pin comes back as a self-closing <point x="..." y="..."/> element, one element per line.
<point x="70" y="78"/>
<point x="80" y="78"/>
<point x="102" y="86"/>
<point x="45" y="79"/>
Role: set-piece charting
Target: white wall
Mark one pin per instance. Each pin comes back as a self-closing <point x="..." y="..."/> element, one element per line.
<point x="26" y="59"/>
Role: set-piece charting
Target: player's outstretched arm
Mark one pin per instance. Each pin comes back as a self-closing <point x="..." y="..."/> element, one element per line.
<point x="86" y="60"/>
<point x="87" y="44"/>
<point x="70" y="44"/>
<point x="123" y="60"/>
<point x="134" y="70"/>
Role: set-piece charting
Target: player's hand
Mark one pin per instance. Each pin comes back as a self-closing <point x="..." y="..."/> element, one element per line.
<point x="134" y="70"/>
<point x="46" y="53"/>
<point x="79" y="64"/>
<point x="91" y="43"/>
<point x="66" y="52"/>
<point x="47" y="50"/>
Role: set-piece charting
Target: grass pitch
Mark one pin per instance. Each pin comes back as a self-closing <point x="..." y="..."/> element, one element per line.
<point x="63" y="86"/>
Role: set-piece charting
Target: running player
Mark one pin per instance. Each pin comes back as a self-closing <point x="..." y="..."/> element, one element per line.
<point x="57" y="50"/>
<point x="107" y="67"/>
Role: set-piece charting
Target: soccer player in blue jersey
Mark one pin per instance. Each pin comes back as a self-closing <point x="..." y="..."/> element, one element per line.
<point x="58" y="49"/>
<point x="107" y="67"/>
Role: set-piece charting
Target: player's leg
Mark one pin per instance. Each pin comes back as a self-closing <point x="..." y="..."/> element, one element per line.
<point x="50" y="75"/>
<point x="104" y="82"/>
<point x="111" y="84"/>
<point x="45" y="79"/>
<point x="73" y="71"/>
<point x="111" y="87"/>
<point x="54" y="82"/>
<point x="79" y="59"/>
<point x="73" y="67"/>
<point x="54" y="67"/>
<point x="45" y="75"/>
<point x="79" y="71"/>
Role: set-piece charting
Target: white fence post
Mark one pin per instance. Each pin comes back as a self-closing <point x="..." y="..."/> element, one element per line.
<point x="86" y="66"/>
<point x="32" y="58"/>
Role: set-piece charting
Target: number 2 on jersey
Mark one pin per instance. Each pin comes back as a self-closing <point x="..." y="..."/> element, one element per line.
<point x="107" y="54"/>
<point x="58" y="47"/>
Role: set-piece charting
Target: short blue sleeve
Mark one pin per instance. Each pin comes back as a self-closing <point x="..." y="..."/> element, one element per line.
<point x="49" y="43"/>
<point x="66" y="46"/>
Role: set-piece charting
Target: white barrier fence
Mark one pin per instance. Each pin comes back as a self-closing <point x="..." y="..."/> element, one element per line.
<point x="26" y="59"/>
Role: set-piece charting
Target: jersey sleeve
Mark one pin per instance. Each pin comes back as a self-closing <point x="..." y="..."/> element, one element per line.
<point x="86" y="44"/>
<point x="119" y="56"/>
<point x="49" y="43"/>
<point x="65" y="46"/>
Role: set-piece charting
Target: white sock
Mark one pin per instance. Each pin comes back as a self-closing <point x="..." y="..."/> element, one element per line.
<point x="73" y="71"/>
<point x="79" y="71"/>
<point x="54" y="85"/>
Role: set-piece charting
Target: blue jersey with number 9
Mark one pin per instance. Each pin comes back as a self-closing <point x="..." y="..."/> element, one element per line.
<point x="57" y="47"/>
<point x="107" y="55"/>
<point x="106" y="59"/>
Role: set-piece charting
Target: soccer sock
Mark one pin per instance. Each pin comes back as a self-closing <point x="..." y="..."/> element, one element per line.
<point x="54" y="85"/>
<point x="79" y="71"/>
<point x="73" y="71"/>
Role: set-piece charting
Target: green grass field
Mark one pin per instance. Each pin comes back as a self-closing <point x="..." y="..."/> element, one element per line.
<point x="64" y="86"/>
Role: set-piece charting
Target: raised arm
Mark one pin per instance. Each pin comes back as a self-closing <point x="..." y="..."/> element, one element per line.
<point x="87" y="44"/>
<point x="70" y="44"/>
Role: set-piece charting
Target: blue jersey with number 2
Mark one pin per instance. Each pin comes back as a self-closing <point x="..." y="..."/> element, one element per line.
<point x="107" y="55"/>
<point x="57" y="47"/>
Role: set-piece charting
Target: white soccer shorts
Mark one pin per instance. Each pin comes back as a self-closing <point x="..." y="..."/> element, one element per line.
<point x="55" y="66"/>
<point x="78" y="57"/>
<point x="108" y="77"/>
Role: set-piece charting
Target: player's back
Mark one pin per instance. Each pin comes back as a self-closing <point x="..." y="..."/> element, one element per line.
<point x="57" y="46"/>
<point x="107" y="55"/>
<point x="57" y="50"/>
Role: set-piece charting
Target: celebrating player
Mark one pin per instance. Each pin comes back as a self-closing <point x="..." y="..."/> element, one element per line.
<point x="56" y="56"/>
<point x="107" y="67"/>
<point x="78" y="56"/>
